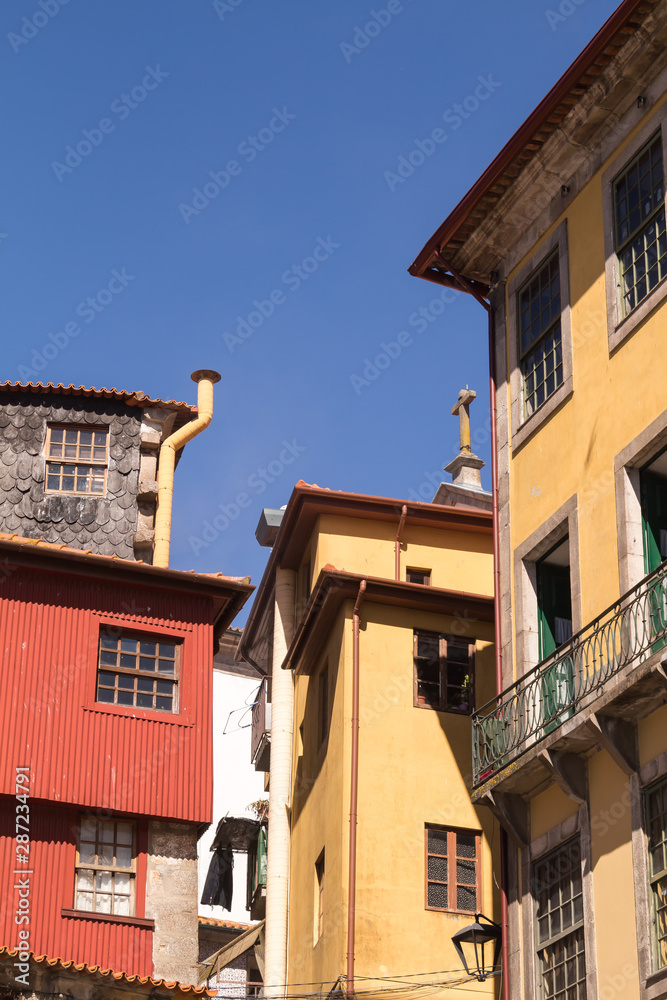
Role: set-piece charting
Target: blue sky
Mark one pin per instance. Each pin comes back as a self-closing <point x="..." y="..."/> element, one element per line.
<point x="235" y="163"/>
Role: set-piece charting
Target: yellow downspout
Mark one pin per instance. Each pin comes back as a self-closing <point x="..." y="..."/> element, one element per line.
<point x="205" y="380"/>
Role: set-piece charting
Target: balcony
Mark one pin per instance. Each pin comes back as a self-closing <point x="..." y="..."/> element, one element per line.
<point x="586" y="695"/>
<point x="260" y="734"/>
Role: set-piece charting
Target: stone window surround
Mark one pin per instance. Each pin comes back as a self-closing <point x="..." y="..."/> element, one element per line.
<point x="620" y="327"/>
<point x="652" y="984"/>
<point x="563" y="523"/>
<point x="576" y="825"/>
<point x="523" y="427"/>
<point x="627" y="464"/>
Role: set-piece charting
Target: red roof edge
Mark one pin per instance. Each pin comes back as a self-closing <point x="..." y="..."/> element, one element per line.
<point x="547" y="106"/>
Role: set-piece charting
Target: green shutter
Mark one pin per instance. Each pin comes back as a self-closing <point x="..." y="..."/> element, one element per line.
<point x="554" y="600"/>
<point x="654" y="517"/>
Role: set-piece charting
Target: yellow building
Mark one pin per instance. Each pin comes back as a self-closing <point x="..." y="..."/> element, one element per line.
<point x="374" y="620"/>
<point x="563" y="240"/>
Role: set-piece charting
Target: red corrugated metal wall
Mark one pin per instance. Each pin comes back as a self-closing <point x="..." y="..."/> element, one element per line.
<point x="82" y="752"/>
<point x="121" y="947"/>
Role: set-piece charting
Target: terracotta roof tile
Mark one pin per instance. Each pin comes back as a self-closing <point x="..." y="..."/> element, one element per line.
<point x="230" y="925"/>
<point x="96" y="970"/>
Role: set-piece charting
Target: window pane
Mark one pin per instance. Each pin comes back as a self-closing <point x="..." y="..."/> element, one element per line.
<point x="86" y="853"/>
<point x="437" y="841"/>
<point x="124" y="833"/>
<point x="84" y="879"/>
<point x="121" y="906"/>
<point x="102" y="903"/>
<point x="466" y="899"/>
<point x="465" y="845"/>
<point x="437" y="869"/>
<point x="104" y="881"/>
<point x="466" y="872"/>
<point x="437" y="895"/>
<point x="124" y="857"/>
<point x="84" y="901"/>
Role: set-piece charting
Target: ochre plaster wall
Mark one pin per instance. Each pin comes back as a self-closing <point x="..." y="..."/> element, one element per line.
<point x="457" y="560"/>
<point x="414" y="768"/>
<point x="613" y="885"/>
<point x="615" y="397"/>
<point x="548" y="810"/>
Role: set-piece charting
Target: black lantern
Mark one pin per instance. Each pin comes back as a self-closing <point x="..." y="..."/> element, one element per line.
<point x="484" y="940"/>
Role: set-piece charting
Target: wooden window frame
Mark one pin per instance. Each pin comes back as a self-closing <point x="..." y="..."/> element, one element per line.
<point x="443" y="639"/>
<point x="420" y="572"/>
<point x="155" y="675"/>
<point x="452" y="886"/>
<point x="113" y="869"/>
<point x="77" y="462"/>
<point x="320" y="872"/>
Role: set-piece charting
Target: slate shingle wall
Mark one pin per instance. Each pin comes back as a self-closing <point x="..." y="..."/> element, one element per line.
<point x="105" y="525"/>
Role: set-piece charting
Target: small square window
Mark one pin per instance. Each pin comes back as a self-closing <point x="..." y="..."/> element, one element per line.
<point x="422" y="576"/>
<point x="76" y="460"/>
<point x="106" y="867"/>
<point x="453" y="880"/>
<point x="136" y="672"/>
<point x="444" y="672"/>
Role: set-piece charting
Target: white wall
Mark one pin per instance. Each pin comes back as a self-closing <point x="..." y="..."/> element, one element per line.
<point x="235" y="781"/>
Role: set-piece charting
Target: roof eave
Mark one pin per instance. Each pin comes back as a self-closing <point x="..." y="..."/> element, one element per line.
<point x="426" y="258"/>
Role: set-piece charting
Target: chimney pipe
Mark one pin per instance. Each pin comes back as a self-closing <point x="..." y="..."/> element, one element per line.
<point x="205" y="379"/>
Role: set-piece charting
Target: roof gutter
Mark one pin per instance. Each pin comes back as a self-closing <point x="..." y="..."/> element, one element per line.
<point x="503" y="160"/>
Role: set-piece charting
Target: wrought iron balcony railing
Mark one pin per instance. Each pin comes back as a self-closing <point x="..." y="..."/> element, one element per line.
<point x="627" y="633"/>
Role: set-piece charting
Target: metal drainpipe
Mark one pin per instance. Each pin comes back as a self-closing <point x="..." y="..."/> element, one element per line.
<point x="278" y="855"/>
<point x="397" y="544"/>
<point x="466" y="287"/>
<point x="354" y="787"/>
<point x="205" y="379"/>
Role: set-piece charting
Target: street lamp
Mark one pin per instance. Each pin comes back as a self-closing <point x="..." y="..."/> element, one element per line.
<point x="483" y="939"/>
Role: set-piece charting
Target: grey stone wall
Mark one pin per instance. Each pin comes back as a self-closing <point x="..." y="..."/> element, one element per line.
<point x="171" y="899"/>
<point x="105" y="524"/>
